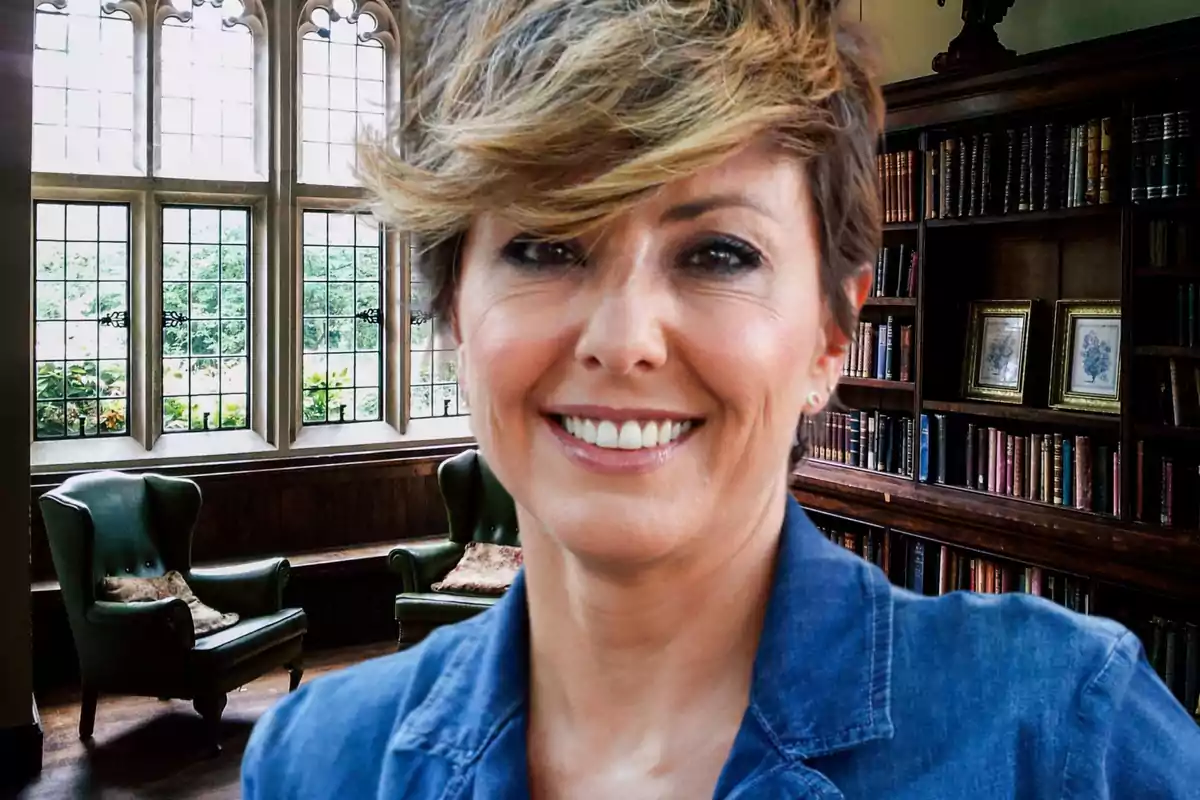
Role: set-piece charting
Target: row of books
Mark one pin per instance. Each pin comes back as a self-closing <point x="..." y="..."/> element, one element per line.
<point x="1172" y="243"/>
<point x="1179" y="393"/>
<point x="883" y="352"/>
<point x="1174" y="652"/>
<point x="896" y="185"/>
<point x="1034" y="168"/>
<point x="1186" y="333"/>
<point x="895" y="272"/>
<point x="1163" y="156"/>
<point x="874" y="440"/>
<point x="1054" y="468"/>
<point x="936" y="569"/>
<point x="1157" y="476"/>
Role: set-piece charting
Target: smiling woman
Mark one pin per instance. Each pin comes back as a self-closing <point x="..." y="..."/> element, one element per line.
<point x="647" y="226"/>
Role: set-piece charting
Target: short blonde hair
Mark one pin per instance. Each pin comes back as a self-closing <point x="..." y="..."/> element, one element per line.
<point x="561" y="114"/>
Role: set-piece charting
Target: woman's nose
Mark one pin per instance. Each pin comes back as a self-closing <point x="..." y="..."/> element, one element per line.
<point x="624" y="331"/>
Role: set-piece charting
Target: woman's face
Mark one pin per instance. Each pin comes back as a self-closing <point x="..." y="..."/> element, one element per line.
<point x="638" y="391"/>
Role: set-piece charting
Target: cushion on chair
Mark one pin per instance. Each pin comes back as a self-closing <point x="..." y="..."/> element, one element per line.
<point x="439" y="609"/>
<point x="248" y="638"/>
<point x="205" y="619"/>
<point x="483" y="569"/>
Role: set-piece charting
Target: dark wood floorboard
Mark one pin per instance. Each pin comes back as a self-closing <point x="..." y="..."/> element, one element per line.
<point x="145" y="749"/>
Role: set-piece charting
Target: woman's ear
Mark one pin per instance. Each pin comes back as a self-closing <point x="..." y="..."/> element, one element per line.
<point x="829" y="364"/>
<point x="858" y="287"/>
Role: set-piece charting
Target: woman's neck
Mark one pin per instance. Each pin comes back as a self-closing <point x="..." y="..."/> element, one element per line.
<point x="620" y="662"/>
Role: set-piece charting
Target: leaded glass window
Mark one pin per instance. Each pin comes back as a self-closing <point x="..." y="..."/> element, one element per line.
<point x="84" y="117"/>
<point x="433" y="367"/>
<point x="343" y="68"/>
<point x="206" y="108"/>
<point x="81" y="302"/>
<point x="205" y="318"/>
<point x="342" y="328"/>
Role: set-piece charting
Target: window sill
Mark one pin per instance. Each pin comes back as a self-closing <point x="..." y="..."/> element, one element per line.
<point x="173" y="448"/>
<point x="380" y="435"/>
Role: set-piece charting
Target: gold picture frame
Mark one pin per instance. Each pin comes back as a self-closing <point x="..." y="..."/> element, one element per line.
<point x="997" y="350"/>
<point x="1085" y="374"/>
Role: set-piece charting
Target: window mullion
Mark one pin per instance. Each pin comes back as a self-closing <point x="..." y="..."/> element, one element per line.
<point x="143" y="319"/>
<point x="280" y="327"/>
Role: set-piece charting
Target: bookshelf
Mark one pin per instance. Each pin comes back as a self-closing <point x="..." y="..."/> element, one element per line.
<point x="1138" y="252"/>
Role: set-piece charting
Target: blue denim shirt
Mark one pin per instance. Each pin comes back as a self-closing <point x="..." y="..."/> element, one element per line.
<point x="859" y="690"/>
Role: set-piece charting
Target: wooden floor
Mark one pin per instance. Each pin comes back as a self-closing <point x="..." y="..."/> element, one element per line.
<point x="144" y="748"/>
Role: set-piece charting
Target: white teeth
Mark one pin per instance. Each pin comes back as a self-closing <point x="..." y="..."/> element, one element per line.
<point x="628" y="435"/>
<point x="649" y="435"/>
<point x="606" y="434"/>
<point x="631" y="436"/>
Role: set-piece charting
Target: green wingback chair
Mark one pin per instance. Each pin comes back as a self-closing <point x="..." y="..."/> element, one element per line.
<point x="112" y="524"/>
<point x="479" y="509"/>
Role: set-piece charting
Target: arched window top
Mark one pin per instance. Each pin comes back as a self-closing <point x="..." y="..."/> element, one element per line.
<point x="210" y="100"/>
<point x="212" y="15"/>
<point x="85" y="86"/>
<point x="347" y="57"/>
<point x="350" y="22"/>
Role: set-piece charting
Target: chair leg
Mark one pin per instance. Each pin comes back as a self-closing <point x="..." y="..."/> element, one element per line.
<point x="210" y="706"/>
<point x="87" y="713"/>
<point x="295" y="673"/>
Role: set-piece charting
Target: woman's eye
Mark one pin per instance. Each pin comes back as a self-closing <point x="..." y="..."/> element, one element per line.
<point x="723" y="256"/>
<point x="539" y="254"/>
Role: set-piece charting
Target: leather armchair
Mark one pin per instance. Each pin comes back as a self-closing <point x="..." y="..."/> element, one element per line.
<point x="111" y="524"/>
<point x="479" y="509"/>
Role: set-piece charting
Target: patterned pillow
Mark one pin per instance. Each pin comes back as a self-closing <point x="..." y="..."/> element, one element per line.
<point x="483" y="569"/>
<point x="205" y="620"/>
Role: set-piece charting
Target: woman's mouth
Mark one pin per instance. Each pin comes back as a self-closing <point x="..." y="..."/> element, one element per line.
<point x="628" y="434"/>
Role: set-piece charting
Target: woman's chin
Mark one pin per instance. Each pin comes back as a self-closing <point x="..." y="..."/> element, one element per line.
<point x="616" y="540"/>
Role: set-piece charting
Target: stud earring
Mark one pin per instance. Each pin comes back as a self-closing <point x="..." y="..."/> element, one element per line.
<point x="814" y="399"/>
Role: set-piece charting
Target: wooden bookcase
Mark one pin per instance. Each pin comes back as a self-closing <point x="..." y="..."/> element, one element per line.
<point x="1092" y="252"/>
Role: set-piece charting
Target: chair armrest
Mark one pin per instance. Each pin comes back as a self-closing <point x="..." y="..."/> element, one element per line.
<point x="251" y="590"/>
<point x="158" y="626"/>
<point x="420" y="565"/>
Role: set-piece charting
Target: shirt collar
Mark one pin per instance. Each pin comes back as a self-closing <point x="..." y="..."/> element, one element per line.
<point x="821" y="680"/>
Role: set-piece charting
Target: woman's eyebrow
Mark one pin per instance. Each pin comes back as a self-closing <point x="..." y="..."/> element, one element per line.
<point x="696" y="208"/>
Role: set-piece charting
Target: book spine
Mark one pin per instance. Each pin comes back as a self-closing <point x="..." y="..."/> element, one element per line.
<point x="1068" y="472"/>
<point x="872" y="449"/>
<point x="910" y="168"/>
<point x="1184" y="175"/>
<point x="1047" y="489"/>
<point x="1191" y="666"/>
<point x="855" y="433"/>
<point x="1072" y="169"/>
<point x="880" y="353"/>
<point x="1153" y="156"/>
<point x="985" y="177"/>
<point x="1009" y="464"/>
<point x="1166" y="494"/>
<point x="1083" y="468"/>
<point x="973" y="203"/>
<point x="1092" y="186"/>
<point x="1137" y="170"/>
<point x="1035" y="173"/>
<point x="940" y="426"/>
<point x="1081" y="165"/>
<point x="905" y="352"/>
<point x="962" y="178"/>
<point x="1048" y="167"/>
<point x="930" y="207"/>
<point x="887" y="188"/>
<point x="1058" y="467"/>
<point x="1035" y="470"/>
<point x="889" y="371"/>
<point x="1104" y="195"/>
<point x="914" y="261"/>
<point x="969" y="472"/>
<point x="1167" y="180"/>
<point x="1023" y="177"/>
<point x="981" y="454"/>
<point x="947" y="169"/>
<point x="1018" y="488"/>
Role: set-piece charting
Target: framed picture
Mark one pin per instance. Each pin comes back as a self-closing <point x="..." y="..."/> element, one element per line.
<point x="997" y="341"/>
<point x="1086" y="372"/>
